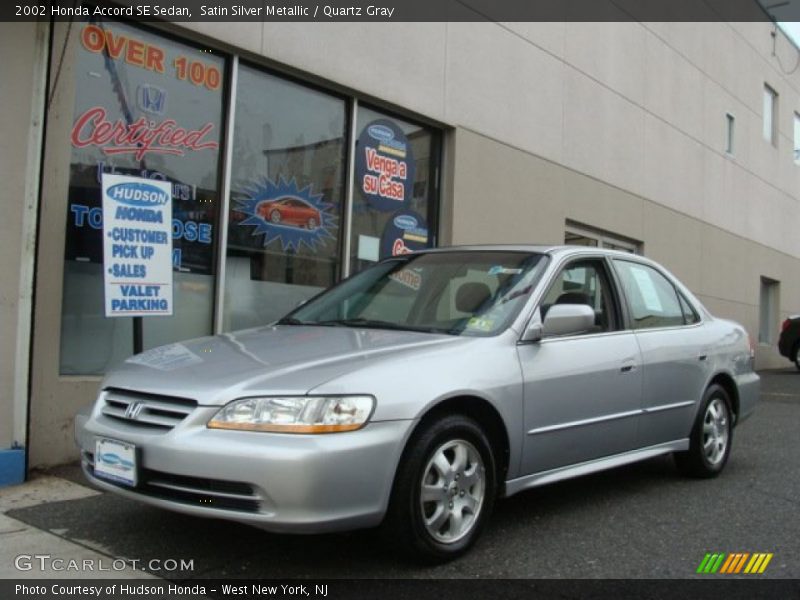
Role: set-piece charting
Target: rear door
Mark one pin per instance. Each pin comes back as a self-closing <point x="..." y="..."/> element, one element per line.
<point x="582" y="393"/>
<point x="674" y="346"/>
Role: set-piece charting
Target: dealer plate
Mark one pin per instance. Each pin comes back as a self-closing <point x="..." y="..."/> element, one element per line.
<point x="115" y="461"/>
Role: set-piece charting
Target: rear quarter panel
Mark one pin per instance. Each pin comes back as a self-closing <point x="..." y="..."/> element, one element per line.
<point x="729" y="355"/>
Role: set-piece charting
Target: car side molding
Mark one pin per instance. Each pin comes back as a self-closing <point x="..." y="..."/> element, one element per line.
<point x="611" y="417"/>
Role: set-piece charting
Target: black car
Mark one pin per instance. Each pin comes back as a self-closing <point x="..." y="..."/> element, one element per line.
<point x="789" y="342"/>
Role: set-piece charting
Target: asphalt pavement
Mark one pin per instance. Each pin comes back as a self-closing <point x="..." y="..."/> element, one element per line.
<point x="641" y="521"/>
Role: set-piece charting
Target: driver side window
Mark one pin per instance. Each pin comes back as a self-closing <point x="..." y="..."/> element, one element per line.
<point x="584" y="282"/>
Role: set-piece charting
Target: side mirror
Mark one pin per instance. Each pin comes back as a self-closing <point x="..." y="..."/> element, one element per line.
<point x="561" y="319"/>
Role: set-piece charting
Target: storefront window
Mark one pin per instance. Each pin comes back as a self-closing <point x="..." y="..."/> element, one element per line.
<point x="149" y="107"/>
<point x="394" y="202"/>
<point x="287" y="197"/>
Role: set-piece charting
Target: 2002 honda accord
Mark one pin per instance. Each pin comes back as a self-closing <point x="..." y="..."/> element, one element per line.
<point x="416" y="392"/>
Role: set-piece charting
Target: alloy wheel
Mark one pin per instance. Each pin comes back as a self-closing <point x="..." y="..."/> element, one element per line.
<point x="716" y="431"/>
<point x="452" y="491"/>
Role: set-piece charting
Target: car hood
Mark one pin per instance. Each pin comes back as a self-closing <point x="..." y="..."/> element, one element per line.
<point x="273" y="360"/>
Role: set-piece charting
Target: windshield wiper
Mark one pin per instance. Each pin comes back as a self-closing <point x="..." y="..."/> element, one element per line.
<point x="292" y="321"/>
<point x="378" y="324"/>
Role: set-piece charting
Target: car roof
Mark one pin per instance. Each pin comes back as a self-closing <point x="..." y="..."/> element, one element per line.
<point x="552" y="250"/>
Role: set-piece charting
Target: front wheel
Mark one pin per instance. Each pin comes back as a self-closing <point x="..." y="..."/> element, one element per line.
<point x="711" y="437"/>
<point x="444" y="490"/>
<point x="796" y="352"/>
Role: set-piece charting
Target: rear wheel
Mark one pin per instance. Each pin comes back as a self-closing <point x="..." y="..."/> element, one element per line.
<point x="711" y="437"/>
<point x="444" y="490"/>
<point x="796" y="353"/>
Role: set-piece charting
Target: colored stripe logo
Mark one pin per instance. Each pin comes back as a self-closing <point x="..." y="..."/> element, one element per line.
<point x="735" y="562"/>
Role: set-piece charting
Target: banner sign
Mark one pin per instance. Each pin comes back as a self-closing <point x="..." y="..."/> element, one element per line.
<point x="137" y="246"/>
<point x="384" y="166"/>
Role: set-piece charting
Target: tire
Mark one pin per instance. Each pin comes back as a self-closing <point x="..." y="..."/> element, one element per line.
<point x="711" y="438"/>
<point x="312" y="223"/>
<point x="441" y="457"/>
<point x="796" y="355"/>
<point x="275" y="216"/>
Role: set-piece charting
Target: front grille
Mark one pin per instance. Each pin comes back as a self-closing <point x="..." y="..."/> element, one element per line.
<point x="198" y="491"/>
<point x="146" y="410"/>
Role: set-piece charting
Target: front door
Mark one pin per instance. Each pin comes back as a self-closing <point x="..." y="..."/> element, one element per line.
<point x="582" y="393"/>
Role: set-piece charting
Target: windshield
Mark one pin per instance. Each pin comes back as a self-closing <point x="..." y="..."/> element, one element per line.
<point x="457" y="293"/>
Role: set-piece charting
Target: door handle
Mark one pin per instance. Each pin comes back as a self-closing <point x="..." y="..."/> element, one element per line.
<point x="702" y="357"/>
<point x="626" y="369"/>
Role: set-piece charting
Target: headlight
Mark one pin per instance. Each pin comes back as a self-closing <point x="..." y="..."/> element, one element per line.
<point x="305" y="414"/>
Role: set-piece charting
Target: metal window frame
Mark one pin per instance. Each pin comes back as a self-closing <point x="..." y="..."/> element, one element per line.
<point x="730" y="133"/>
<point x="222" y="224"/>
<point x="349" y="189"/>
<point x="796" y="136"/>
<point x="768" y="310"/>
<point x="773" y="94"/>
<point x="604" y="237"/>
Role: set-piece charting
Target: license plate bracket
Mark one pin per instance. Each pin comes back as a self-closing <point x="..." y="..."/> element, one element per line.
<point x="116" y="461"/>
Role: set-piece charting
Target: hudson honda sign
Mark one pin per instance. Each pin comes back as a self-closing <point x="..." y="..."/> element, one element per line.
<point x="137" y="246"/>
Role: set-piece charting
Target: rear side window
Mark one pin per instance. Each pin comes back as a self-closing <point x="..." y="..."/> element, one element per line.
<point x="652" y="299"/>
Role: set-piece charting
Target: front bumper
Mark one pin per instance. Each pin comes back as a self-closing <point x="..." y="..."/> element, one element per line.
<point x="279" y="482"/>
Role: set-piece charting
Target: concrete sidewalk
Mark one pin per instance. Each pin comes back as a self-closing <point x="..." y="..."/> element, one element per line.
<point x="30" y="553"/>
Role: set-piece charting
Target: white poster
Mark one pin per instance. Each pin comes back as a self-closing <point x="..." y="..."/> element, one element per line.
<point x="648" y="290"/>
<point x="137" y="246"/>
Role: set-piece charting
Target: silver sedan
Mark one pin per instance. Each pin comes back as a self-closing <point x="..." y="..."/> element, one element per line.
<point x="415" y="393"/>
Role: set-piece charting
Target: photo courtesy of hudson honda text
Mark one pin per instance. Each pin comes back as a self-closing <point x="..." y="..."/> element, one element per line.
<point x="139" y="590"/>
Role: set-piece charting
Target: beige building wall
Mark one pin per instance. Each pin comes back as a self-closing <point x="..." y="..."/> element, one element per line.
<point x="23" y="47"/>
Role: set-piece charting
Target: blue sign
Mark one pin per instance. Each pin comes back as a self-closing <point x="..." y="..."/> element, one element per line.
<point x="283" y="212"/>
<point x="138" y="194"/>
<point x="384" y="169"/>
<point x="405" y="232"/>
